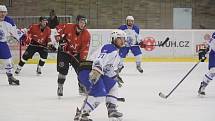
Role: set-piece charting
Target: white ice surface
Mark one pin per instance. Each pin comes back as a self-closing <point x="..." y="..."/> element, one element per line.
<point x="36" y="99"/>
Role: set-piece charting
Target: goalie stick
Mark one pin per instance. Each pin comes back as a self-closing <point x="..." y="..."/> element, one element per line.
<point x="166" y="96"/>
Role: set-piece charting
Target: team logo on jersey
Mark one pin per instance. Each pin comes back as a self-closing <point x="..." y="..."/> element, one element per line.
<point x="1" y="34"/>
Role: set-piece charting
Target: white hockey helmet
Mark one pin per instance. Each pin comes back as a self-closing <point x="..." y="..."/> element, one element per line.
<point x="3" y="8"/>
<point x="117" y="33"/>
<point x="129" y="18"/>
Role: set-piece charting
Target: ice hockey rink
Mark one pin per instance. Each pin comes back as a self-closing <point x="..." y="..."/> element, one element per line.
<point x="36" y="99"/>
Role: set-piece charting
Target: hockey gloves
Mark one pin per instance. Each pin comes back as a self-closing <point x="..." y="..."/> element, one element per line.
<point x="142" y="44"/>
<point x="202" y="53"/>
<point x="85" y="65"/>
<point x="51" y="47"/>
<point x="94" y="76"/>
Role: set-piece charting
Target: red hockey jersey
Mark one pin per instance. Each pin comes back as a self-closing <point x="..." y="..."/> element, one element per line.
<point x="35" y="35"/>
<point x="76" y="43"/>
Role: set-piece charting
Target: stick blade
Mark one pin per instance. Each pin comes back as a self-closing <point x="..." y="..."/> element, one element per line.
<point x="166" y="40"/>
<point x="121" y="99"/>
<point x="162" y="95"/>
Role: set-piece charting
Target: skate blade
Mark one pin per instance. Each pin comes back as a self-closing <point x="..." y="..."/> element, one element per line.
<point x="14" y="84"/>
<point x="59" y="97"/>
<point x="115" y="119"/>
<point x="201" y="96"/>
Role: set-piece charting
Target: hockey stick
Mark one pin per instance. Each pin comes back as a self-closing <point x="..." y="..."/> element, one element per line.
<point x="79" y="112"/>
<point x="162" y="44"/>
<point x="121" y="99"/>
<point x="165" y="41"/>
<point x="166" y="96"/>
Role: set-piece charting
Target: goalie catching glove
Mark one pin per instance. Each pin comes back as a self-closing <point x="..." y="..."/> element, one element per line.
<point x="94" y="76"/>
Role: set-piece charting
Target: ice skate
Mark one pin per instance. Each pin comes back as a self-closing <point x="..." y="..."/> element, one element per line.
<point x="39" y="70"/>
<point x="139" y="68"/>
<point x="81" y="117"/>
<point x="113" y="114"/>
<point x="201" y="90"/>
<point x="12" y="80"/>
<point x="60" y="90"/>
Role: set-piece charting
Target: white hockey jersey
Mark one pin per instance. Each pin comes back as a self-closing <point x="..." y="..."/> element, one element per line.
<point x="133" y="36"/>
<point x="106" y="60"/>
<point x="212" y="44"/>
<point x="7" y="30"/>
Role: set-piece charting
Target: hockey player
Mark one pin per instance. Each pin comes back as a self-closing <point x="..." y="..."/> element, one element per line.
<point x="73" y="48"/>
<point x="100" y="82"/>
<point x="132" y="43"/>
<point x="7" y="29"/>
<point x="38" y="39"/>
<point x="208" y="77"/>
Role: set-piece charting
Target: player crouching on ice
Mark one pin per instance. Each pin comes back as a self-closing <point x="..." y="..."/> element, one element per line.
<point x="211" y="65"/>
<point x="100" y="79"/>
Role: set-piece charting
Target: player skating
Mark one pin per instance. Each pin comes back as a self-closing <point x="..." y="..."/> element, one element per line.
<point x="208" y="77"/>
<point x="100" y="81"/>
<point x="132" y="43"/>
<point x="73" y="48"/>
<point x="7" y="29"/>
<point x="38" y="40"/>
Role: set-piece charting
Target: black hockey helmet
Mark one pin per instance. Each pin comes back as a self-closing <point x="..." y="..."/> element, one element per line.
<point x="42" y="18"/>
<point x="81" y="17"/>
